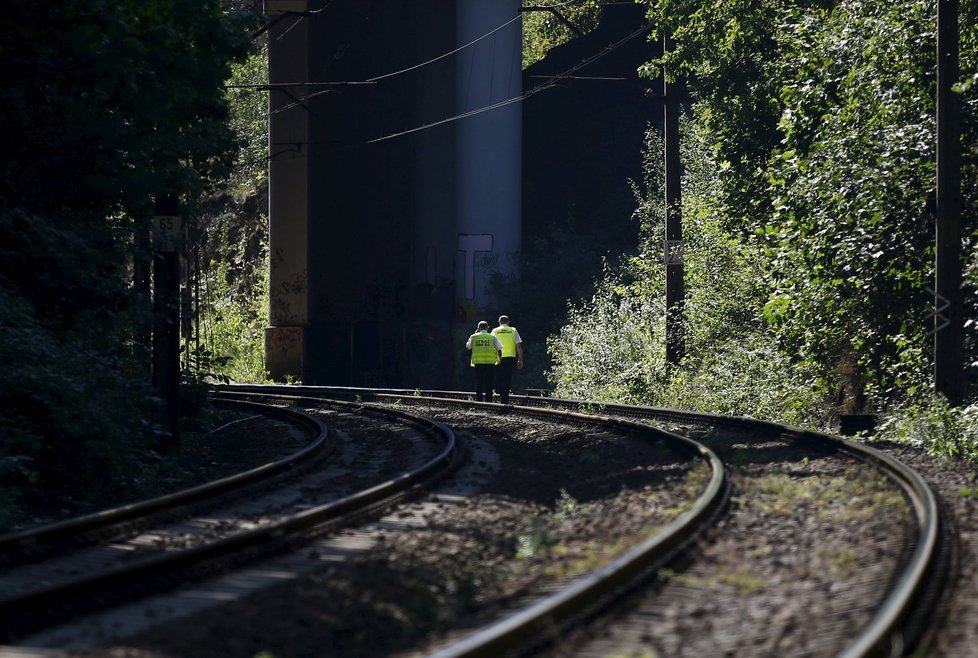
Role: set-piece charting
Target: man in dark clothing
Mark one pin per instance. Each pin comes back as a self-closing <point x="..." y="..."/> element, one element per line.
<point x="512" y="356"/>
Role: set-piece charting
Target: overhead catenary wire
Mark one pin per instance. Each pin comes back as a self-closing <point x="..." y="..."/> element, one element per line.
<point x="553" y="81"/>
<point x="297" y="102"/>
<point x="392" y="74"/>
<point x="527" y="94"/>
<point x="469" y="44"/>
<point x="448" y="54"/>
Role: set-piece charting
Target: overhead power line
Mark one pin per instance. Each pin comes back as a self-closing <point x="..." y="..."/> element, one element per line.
<point x="300" y="102"/>
<point x="566" y="75"/>
<point x="448" y="54"/>
<point x="552" y="81"/>
<point x="284" y="85"/>
<point x="305" y="14"/>
<point x="476" y="40"/>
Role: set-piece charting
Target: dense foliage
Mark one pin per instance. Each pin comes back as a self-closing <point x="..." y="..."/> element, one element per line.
<point x="613" y="348"/>
<point x="817" y="126"/>
<point x="932" y="424"/>
<point x="230" y="245"/>
<point x="822" y="116"/>
<point x="555" y="22"/>
<point x="807" y="200"/>
<point x="104" y="106"/>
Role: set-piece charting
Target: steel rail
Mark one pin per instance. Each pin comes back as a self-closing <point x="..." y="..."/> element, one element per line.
<point x="539" y="620"/>
<point x="31" y="610"/>
<point x="888" y="630"/>
<point x="16" y="546"/>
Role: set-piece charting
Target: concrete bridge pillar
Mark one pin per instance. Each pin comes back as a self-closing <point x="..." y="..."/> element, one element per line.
<point x="488" y="148"/>
<point x="288" y="188"/>
<point x="385" y="240"/>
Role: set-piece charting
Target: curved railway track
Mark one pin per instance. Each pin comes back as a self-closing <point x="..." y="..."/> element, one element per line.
<point x="899" y="618"/>
<point x="96" y="569"/>
<point x="448" y="531"/>
<point x="37" y="543"/>
<point x="666" y="456"/>
<point x="533" y="620"/>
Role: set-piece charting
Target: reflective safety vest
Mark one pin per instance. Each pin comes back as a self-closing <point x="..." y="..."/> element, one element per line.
<point x="506" y="336"/>
<point x="483" y="348"/>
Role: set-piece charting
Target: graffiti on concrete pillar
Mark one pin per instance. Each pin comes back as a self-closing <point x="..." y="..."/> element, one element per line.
<point x="283" y="339"/>
<point x="287" y="301"/>
<point x="471" y="245"/>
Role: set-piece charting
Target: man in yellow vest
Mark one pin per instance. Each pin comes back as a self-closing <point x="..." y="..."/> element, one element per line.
<point x="512" y="356"/>
<point x="486" y="350"/>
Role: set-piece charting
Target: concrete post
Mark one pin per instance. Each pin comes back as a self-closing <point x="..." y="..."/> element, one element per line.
<point x="674" y="244"/>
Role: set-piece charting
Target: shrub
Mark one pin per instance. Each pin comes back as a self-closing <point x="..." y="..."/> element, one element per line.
<point x="932" y="424"/>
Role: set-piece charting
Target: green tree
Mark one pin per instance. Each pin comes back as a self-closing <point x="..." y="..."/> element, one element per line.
<point x="613" y="348"/>
<point x="852" y="232"/>
<point x="105" y="104"/>
<point x="821" y="117"/>
<point x="544" y="29"/>
<point x="232" y="240"/>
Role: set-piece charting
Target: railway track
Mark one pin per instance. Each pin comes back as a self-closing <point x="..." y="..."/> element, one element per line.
<point x="35" y="544"/>
<point x="534" y="614"/>
<point x="666" y="458"/>
<point x="103" y="562"/>
<point x="633" y="529"/>
<point x="892" y="619"/>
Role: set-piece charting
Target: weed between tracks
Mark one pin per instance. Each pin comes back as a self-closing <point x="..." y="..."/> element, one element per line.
<point x="854" y="495"/>
<point x="591" y="548"/>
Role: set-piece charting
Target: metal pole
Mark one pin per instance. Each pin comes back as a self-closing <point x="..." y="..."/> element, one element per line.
<point x="948" y="325"/>
<point x="674" y="246"/>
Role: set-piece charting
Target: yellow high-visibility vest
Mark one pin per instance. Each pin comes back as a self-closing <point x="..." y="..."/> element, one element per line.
<point x="483" y="348"/>
<point x="506" y="336"/>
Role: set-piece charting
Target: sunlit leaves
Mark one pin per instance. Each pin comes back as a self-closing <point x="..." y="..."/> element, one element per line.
<point x="851" y="182"/>
<point x="249" y="120"/>
<point x="543" y="29"/>
<point x="822" y="115"/>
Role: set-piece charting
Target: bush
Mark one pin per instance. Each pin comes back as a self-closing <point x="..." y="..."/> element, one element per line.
<point x="932" y="424"/>
<point x="749" y="377"/>
<point x="233" y="243"/>
<point x="74" y="420"/>
<point x="613" y="347"/>
<point x="234" y="300"/>
<point x="611" y="350"/>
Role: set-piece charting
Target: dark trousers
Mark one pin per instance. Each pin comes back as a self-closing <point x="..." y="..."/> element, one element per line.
<point x="483" y="381"/>
<point x="504" y="377"/>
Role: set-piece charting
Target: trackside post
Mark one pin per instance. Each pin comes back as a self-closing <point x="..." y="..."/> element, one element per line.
<point x="167" y="233"/>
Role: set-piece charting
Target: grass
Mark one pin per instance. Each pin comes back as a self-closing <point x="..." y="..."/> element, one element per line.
<point x="855" y="496"/>
<point x="541" y="534"/>
<point x="742" y="579"/>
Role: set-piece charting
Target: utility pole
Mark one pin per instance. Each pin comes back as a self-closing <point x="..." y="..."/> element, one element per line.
<point x="948" y="324"/>
<point x="674" y="245"/>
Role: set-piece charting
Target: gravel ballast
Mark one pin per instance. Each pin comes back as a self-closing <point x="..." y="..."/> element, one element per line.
<point x="552" y="503"/>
